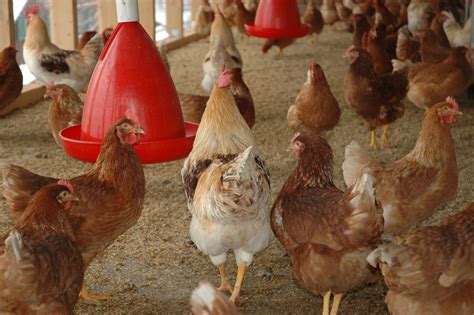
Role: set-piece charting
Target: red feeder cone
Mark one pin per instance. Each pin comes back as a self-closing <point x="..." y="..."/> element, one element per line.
<point x="130" y="78"/>
<point x="277" y="19"/>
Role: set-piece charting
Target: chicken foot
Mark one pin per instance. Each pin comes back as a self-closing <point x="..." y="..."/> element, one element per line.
<point x="373" y="141"/>
<point x="225" y="285"/>
<point x="242" y="268"/>
<point x="335" y="303"/>
<point x="89" y="296"/>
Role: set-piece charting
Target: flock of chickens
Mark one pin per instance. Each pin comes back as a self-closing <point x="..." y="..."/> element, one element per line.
<point x="400" y="50"/>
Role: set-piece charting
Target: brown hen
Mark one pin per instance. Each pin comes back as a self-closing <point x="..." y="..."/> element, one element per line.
<point x="65" y="109"/>
<point x="41" y="269"/>
<point x="430" y="270"/>
<point x="11" y="79"/>
<point x="242" y="16"/>
<point x="377" y="99"/>
<point x="315" y="109"/>
<point x="111" y="193"/>
<point x="313" y="18"/>
<point x="412" y="188"/>
<point x="327" y="233"/>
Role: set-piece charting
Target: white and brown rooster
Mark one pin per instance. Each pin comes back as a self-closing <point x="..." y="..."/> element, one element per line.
<point x="227" y="186"/>
<point x="49" y="63"/>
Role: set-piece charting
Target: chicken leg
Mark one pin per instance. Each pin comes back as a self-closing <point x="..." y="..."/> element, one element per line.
<point x="335" y="303"/>
<point x="385" y="141"/>
<point x="89" y="296"/>
<point x="326" y="301"/>
<point x="242" y="268"/>
<point x="373" y="141"/>
<point x="225" y="286"/>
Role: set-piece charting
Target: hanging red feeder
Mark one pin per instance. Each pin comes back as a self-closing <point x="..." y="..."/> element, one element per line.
<point x="277" y="19"/>
<point x="130" y="77"/>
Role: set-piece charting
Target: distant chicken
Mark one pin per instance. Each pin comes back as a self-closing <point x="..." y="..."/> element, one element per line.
<point x="206" y="300"/>
<point x="432" y="83"/>
<point x="329" y="12"/>
<point x="327" y="233"/>
<point x="11" y="79"/>
<point x="65" y="109"/>
<point x="344" y="14"/>
<point x="385" y="15"/>
<point x="407" y="47"/>
<point x="430" y="49"/>
<point x="361" y="26"/>
<point x="111" y="193"/>
<point x="438" y="29"/>
<point x="41" y="269"/>
<point x="430" y="270"/>
<point x="416" y="10"/>
<point x="315" y="109"/>
<point x="202" y="21"/>
<point x="412" y="188"/>
<point x="222" y="51"/>
<point x="48" y="63"/>
<point x="457" y="35"/>
<point x="376" y="99"/>
<point x="242" y="17"/>
<point x="227" y="186"/>
<point x="313" y="17"/>
<point x="281" y="43"/>
<point x="193" y="106"/>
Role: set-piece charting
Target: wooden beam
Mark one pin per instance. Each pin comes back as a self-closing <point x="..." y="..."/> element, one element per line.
<point x="7" y="29"/>
<point x="146" y="11"/>
<point x="30" y="95"/>
<point x="107" y="14"/>
<point x="64" y="23"/>
<point x="174" y="18"/>
<point x="183" y="41"/>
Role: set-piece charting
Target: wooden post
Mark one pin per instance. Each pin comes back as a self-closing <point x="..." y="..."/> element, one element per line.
<point x="174" y="18"/>
<point x="107" y="14"/>
<point x="64" y="23"/>
<point x="7" y="29"/>
<point x="146" y="12"/>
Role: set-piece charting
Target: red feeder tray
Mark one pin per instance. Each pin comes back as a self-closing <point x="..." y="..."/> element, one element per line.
<point x="130" y="78"/>
<point x="277" y="19"/>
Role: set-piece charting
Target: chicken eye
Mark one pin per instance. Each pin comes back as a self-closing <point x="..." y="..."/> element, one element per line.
<point x="125" y="125"/>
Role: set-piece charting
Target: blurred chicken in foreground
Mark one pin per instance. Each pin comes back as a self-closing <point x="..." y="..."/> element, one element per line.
<point x="222" y="51"/>
<point x="206" y="300"/>
<point x="412" y="188"/>
<point x="430" y="271"/>
<point x="11" y="79"/>
<point x="48" y="63"/>
<point x="315" y="109"/>
<point x="65" y="109"/>
<point x="227" y="186"/>
<point x="41" y="269"/>
<point x="111" y="193"/>
<point x="327" y="233"/>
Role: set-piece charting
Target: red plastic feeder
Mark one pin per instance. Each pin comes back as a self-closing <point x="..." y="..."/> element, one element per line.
<point x="130" y="77"/>
<point x="277" y="19"/>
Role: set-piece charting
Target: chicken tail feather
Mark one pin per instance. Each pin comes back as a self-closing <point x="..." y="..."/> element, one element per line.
<point x="19" y="186"/>
<point x="356" y="161"/>
<point x="205" y="299"/>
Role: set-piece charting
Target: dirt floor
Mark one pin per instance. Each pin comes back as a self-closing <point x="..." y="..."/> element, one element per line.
<point x="153" y="268"/>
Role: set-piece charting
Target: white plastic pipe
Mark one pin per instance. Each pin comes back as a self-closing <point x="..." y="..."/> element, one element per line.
<point x="127" y="10"/>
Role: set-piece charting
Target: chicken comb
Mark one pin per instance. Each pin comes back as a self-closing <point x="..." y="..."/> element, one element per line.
<point x="131" y="115"/>
<point x="66" y="183"/>
<point x="32" y="10"/>
<point x="451" y="101"/>
<point x="225" y="78"/>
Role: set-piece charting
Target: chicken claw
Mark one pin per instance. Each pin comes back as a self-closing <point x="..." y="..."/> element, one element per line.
<point x="373" y="142"/>
<point x="238" y="283"/>
<point x="225" y="286"/>
<point x="89" y="296"/>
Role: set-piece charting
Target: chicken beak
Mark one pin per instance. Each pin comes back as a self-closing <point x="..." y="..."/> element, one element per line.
<point x="459" y="113"/>
<point x="139" y="130"/>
